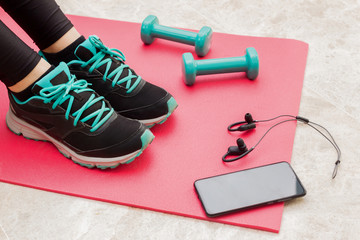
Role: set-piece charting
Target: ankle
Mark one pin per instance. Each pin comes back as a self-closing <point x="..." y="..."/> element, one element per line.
<point x="32" y="77"/>
<point x="67" y="39"/>
<point x="26" y="93"/>
<point x="65" y="55"/>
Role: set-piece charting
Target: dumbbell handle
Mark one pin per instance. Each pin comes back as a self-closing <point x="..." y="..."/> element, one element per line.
<point x="174" y="34"/>
<point x="221" y="65"/>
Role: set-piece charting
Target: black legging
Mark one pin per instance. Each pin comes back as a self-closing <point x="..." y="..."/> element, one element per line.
<point x="43" y="21"/>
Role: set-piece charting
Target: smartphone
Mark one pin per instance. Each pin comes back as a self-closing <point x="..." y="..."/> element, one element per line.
<point x="248" y="188"/>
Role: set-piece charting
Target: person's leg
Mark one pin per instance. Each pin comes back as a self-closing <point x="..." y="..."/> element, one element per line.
<point x="42" y="20"/>
<point x="40" y="69"/>
<point x="47" y="25"/>
<point x="20" y="66"/>
<point x="48" y="103"/>
<point x="127" y="92"/>
<point x="71" y="36"/>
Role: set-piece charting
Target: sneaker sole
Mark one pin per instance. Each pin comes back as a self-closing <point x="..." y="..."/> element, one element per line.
<point x="20" y="127"/>
<point x="171" y="104"/>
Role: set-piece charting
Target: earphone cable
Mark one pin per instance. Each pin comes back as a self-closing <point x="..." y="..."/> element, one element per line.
<point x="271" y="119"/>
<point x="311" y="124"/>
<point x="276" y="124"/>
<point x="332" y="143"/>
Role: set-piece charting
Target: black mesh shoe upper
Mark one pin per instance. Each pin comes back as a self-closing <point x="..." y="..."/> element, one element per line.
<point x="129" y="94"/>
<point x="65" y="109"/>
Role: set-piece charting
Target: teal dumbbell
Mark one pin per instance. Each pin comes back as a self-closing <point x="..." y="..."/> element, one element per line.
<point x="248" y="63"/>
<point x="151" y="29"/>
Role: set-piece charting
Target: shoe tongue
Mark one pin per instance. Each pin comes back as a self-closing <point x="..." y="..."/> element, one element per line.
<point x="59" y="75"/>
<point x="85" y="51"/>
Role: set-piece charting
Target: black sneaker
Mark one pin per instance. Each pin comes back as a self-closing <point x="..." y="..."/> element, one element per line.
<point x="129" y="94"/>
<point x="81" y="124"/>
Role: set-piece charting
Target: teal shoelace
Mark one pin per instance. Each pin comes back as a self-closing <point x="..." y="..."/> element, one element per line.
<point x="100" y="58"/>
<point x="60" y="93"/>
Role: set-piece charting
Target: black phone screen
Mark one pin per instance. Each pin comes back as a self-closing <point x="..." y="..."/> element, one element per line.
<point x="248" y="188"/>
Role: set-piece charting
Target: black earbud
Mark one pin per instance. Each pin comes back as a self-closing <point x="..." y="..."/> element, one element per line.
<point x="240" y="150"/>
<point x="249" y="118"/>
<point x="248" y="124"/>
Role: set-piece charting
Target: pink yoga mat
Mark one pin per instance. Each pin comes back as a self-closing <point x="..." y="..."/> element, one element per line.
<point x="190" y="144"/>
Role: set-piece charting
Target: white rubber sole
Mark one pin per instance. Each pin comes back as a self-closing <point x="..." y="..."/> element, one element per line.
<point x="171" y="104"/>
<point x="18" y="126"/>
<point x="152" y="122"/>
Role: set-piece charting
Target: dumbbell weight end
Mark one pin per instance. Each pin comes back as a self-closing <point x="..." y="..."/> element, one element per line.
<point x="252" y="60"/>
<point x="147" y="29"/>
<point x="189" y="69"/>
<point x="203" y="41"/>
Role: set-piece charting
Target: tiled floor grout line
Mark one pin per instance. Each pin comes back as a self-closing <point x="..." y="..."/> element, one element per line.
<point x="2" y="229"/>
